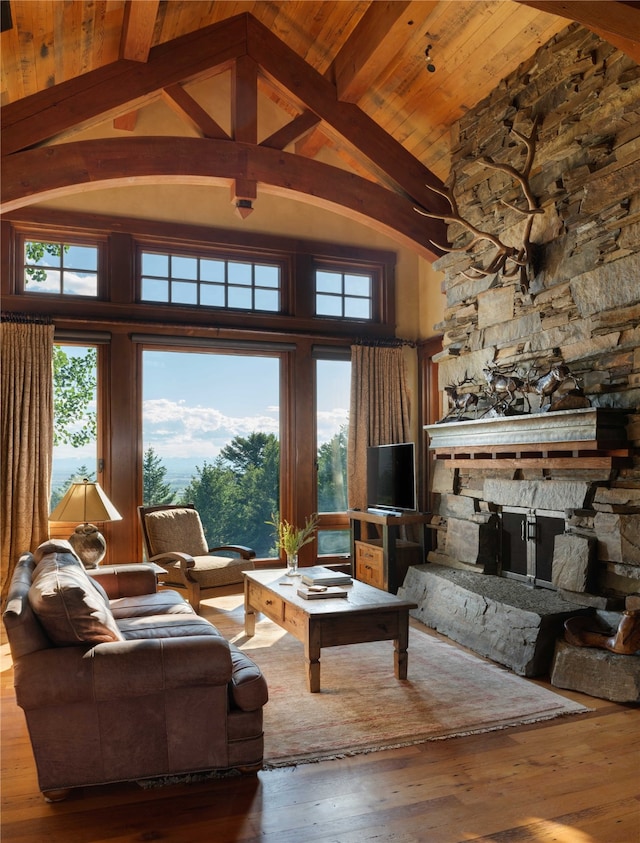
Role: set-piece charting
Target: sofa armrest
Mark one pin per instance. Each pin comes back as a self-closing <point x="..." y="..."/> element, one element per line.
<point x="248" y="686"/>
<point x="125" y="580"/>
<point x="120" y="670"/>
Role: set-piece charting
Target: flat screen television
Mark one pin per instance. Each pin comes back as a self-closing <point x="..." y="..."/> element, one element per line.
<point x="391" y="477"/>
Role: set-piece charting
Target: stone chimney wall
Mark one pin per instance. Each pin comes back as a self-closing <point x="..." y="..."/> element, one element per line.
<point x="581" y="305"/>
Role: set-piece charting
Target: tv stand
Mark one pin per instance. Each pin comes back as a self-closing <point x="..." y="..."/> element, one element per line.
<point x="382" y="559"/>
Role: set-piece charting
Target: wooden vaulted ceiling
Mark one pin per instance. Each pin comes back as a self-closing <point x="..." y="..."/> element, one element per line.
<point x="334" y="100"/>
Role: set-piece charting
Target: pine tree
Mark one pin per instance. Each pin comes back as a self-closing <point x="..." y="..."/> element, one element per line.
<point x="154" y="489"/>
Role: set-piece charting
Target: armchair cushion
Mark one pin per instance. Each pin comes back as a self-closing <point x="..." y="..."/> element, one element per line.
<point x="176" y="529"/>
<point x="69" y="605"/>
<point x="211" y="571"/>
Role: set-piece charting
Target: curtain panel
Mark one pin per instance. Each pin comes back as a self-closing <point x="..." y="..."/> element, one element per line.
<point x="26" y="438"/>
<point x="379" y="412"/>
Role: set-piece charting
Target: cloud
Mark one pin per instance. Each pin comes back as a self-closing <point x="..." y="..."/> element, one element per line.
<point x="176" y="429"/>
<point x="77" y="284"/>
<point x="328" y="422"/>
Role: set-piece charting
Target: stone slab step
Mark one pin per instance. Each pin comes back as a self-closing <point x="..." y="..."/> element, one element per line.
<point x="598" y="673"/>
<point x="502" y="619"/>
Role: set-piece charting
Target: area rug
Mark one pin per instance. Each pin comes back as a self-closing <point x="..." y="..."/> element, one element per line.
<point x="362" y="707"/>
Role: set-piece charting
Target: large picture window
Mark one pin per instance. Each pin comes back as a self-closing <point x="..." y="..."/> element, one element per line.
<point x="211" y="438"/>
<point x="222" y="362"/>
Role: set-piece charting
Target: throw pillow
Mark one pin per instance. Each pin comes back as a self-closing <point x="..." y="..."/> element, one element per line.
<point x="68" y="604"/>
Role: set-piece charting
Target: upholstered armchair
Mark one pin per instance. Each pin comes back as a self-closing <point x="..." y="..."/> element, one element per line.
<point x="174" y="538"/>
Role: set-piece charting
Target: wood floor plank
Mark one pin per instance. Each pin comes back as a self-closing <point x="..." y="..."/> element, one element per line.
<point x="569" y="780"/>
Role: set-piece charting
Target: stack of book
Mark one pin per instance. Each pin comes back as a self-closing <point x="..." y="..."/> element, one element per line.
<point x="318" y="592"/>
<point x="319" y="575"/>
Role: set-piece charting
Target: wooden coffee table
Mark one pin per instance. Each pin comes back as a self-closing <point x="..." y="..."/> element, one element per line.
<point x="366" y="614"/>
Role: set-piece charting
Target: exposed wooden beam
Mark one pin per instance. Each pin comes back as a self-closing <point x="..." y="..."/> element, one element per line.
<point x="126" y="122"/>
<point x="380" y="35"/>
<point x="312" y="142"/>
<point x="193" y="113"/>
<point x="287" y="69"/>
<point x="244" y="100"/>
<point x="53" y="171"/>
<point x="135" y="43"/>
<point x="120" y="87"/>
<point x="137" y="29"/>
<point x="613" y="21"/>
<point x="292" y="131"/>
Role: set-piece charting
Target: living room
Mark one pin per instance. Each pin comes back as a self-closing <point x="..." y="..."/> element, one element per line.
<point x="171" y="193"/>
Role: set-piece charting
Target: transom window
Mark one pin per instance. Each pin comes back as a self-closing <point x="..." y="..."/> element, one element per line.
<point x="210" y="282"/>
<point x="344" y="294"/>
<point x="60" y="268"/>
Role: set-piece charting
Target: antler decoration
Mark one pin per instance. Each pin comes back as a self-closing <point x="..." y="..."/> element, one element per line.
<point x="509" y="260"/>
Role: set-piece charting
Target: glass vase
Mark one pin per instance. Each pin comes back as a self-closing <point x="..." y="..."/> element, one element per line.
<point x="292" y="565"/>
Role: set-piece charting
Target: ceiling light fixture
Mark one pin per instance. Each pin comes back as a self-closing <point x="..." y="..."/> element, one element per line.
<point x="427" y="57"/>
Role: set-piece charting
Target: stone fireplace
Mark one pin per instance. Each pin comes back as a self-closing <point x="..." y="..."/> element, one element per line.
<point x="535" y="510"/>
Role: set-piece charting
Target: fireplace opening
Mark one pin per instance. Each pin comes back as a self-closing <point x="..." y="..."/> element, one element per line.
<point x="526" y="544"/>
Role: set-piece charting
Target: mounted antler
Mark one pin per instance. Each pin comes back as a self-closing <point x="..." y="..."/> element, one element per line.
<point x="519" y="257"/>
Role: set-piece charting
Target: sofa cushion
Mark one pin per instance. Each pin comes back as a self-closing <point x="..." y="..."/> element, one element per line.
<point x="68" y="604"/>
<point x="143" y="605"/>
<point x="167" y="626"/>
<point x="176" y="529"/>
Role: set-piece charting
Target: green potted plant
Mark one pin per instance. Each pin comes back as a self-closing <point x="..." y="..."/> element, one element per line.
<point x="291" y="539"/>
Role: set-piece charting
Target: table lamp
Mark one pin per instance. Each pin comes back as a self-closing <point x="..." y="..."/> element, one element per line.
<point x="86" y="502"/>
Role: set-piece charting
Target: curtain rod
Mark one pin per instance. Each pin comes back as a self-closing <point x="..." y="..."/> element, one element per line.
<point x="26" y="319"/>
<point x="385" y="342"/>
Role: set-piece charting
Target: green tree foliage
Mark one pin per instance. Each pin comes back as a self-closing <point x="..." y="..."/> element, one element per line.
<point x="155" y="490"/>
<point x="77" y="477"/>
<point x="236" y="494"/>
<point x="34" y="252"/>
<point x="74" y="387"/>
<point x="332" y="473"/>
<point x="211" y="492"/>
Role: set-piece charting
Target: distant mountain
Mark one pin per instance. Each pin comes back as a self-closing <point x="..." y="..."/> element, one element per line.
<point x="180" y="470"/>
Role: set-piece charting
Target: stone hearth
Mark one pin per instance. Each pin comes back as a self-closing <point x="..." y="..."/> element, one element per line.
<point x="504" y="620"/>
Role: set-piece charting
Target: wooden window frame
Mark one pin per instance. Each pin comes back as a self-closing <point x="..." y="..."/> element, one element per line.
<point x="118" y="314"/>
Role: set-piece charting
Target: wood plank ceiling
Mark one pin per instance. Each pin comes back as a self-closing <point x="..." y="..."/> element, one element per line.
<point x="352" y="80"/>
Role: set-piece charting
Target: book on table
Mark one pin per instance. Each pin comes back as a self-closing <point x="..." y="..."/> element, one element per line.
<point x="319" y="575"/>
<point x="320" y="592"/>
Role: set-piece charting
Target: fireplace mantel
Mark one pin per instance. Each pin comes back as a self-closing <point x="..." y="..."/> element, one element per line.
<point x="596" y="435"/>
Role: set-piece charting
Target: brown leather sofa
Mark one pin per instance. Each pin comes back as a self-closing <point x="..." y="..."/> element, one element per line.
<point x="120" y="681"/>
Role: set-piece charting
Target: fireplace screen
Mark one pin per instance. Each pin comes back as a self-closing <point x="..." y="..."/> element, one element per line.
<point x="526" y="544"/>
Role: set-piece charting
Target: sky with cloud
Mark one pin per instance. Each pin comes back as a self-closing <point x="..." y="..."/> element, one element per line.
<point x="195" y="403"/>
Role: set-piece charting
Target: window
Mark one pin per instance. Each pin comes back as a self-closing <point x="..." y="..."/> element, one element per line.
<point x="210" y="282"/>
<point x="75" y="372"/>
<point x="211" y="438"/>
<point x="60" y="268"/>
<point x="344" y="294"/>
<point x="333" y="383"/>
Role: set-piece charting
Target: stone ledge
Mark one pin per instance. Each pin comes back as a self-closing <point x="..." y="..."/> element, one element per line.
<point x="504" y="620"/>
<point x="598" y="673"/>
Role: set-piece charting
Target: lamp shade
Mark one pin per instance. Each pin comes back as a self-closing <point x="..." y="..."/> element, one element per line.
<point x="85" y="502"/>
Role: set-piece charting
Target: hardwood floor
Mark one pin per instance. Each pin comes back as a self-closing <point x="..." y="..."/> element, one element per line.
<point x="569" y="780"/>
